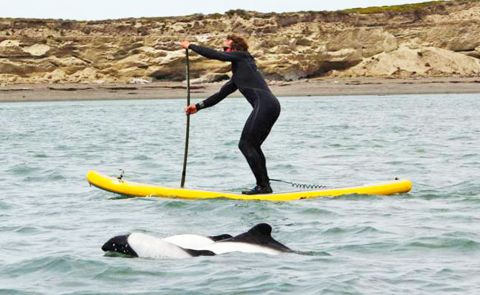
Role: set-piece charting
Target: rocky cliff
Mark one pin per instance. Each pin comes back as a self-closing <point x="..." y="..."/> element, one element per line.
<point x="430" y="39"/>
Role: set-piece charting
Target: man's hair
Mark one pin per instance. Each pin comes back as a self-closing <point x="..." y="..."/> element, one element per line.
<point x="238" y="43"/>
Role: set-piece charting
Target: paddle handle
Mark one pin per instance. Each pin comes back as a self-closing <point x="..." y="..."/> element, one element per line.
<point x="187" y="130"/>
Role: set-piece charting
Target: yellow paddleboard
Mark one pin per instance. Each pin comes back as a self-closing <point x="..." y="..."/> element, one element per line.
<point x="145" y="190"/>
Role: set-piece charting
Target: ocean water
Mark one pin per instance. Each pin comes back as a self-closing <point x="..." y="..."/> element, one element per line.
<point x="52" y="224"/>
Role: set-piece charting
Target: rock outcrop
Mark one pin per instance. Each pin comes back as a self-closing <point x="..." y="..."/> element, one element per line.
<point x="432" y="39"/>
<point x="423" y="61"/>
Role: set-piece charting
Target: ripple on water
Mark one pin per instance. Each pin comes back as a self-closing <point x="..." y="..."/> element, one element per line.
<point x="23" y="169"/>
<point x="351" y="230"/>
<point x="4" y="206"/>
<point x="47" y="175"/>
<point x="315" y="211"/>
<point x="142" y="157"/>
<point x="78" y="272"/>
<point x="441" y="243"/>
<point x="59" y="264"/>
<point x="21" y="229"/>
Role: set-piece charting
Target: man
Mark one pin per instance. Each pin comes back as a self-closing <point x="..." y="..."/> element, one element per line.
<point x="266" y="108"/>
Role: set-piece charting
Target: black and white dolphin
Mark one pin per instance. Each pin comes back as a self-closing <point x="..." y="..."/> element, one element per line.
<point x="257" y="240"/>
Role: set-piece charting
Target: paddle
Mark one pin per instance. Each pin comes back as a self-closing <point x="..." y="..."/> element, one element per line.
<point x="187" y="131"/>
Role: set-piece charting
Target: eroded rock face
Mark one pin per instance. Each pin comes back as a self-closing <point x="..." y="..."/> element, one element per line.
<point x="408" y="62"/>
<point x="436" y="40"/>
<point x="365" y="41"/>
<point x="462" y="36"/>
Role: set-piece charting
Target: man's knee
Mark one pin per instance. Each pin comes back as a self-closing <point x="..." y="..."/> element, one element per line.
<point x="246" y="146"/>
<point x="243" y="145"/>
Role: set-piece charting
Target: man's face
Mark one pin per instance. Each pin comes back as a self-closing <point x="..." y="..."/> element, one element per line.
<point x="227" y="43"/>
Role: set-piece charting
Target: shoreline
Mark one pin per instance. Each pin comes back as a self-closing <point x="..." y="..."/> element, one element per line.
<point x="171" y="90"/>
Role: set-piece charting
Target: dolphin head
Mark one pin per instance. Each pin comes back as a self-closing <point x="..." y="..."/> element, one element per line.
<point x="119" y="244"/>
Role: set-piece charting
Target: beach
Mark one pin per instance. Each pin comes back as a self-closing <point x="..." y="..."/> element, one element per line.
<point x="306" y="87"/>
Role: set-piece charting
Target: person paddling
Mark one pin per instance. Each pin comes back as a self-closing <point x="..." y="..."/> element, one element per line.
<point x="266" y="107"/>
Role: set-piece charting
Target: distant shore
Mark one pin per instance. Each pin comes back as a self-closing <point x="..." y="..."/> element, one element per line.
<point x="310" y="87"/>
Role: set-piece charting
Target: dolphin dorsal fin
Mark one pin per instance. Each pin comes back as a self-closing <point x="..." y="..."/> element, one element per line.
<point x="263" y="229"/>
<point x="260" y="234"/>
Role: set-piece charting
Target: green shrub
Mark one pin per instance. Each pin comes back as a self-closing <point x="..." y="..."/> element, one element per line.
<point x="393" y="8"/>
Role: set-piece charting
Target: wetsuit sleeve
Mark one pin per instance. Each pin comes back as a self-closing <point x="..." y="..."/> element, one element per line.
<point x="214" y="54"/>
<point x="226" y="90"/>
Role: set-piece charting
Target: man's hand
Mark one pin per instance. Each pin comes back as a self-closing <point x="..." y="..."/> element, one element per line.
<point x="184" y="44"/>
<point x="191" y="109"/>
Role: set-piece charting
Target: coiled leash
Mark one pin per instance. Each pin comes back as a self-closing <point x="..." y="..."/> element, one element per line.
<point x="122" y="173"/>
<point x="301" y="185"/>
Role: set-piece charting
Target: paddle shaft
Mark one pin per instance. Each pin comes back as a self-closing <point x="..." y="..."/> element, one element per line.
<point x="187" y="130"/>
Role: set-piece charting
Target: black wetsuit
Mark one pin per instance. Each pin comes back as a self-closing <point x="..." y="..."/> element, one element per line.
<point x="266" y="108"/>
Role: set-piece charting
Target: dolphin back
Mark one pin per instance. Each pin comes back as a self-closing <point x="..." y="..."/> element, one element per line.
<point x="260" y="234"/>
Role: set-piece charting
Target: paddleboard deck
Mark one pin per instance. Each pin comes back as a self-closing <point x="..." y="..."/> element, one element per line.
<point x="120" y="186"/>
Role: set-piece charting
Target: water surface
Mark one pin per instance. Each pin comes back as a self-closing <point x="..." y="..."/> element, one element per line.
<point x="52" y="224"/>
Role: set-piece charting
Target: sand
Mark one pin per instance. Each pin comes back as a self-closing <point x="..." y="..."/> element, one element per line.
<point x="311" y="87"/>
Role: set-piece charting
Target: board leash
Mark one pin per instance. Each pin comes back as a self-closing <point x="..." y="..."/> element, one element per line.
<point x="301" y="185"/>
